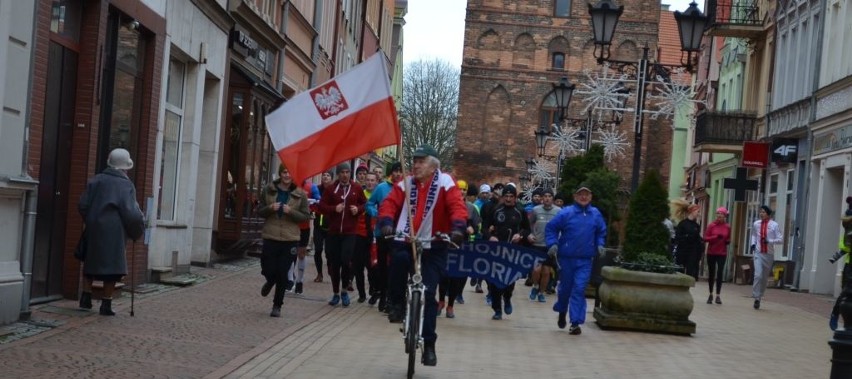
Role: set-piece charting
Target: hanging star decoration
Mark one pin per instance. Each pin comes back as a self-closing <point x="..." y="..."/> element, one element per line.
<point x="602" y="91"/>
<point x="672" y="96"/>
<point x="541" y="171"/>
<point x="528" y="189"/>
<point x="568" y="140"/>
<point x="613" y="141"/>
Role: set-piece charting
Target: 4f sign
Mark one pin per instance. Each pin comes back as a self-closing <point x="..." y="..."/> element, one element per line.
<point x="785" y="150"/>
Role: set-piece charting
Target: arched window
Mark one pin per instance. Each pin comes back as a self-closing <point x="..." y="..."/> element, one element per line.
<point x="548" y="112"/>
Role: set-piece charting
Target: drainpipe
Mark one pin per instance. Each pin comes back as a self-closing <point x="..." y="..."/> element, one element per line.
<point x="800" y="245"/>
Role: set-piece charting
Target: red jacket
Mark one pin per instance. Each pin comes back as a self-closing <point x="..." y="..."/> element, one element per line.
<point x="449" y="212"/>
<point x="718" y="236"/>
<point x="344" y="222"/>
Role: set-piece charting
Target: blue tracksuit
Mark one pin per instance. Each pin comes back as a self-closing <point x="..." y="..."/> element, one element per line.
<point x="578" y="231"/>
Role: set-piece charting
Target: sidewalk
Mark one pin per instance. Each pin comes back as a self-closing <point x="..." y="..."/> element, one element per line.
<point x="221" y="328"/>
<point x="733" y="340"/>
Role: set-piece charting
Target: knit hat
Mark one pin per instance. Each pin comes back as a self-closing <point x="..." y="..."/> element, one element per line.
<point x="722" y="210"/>
<point x="510" y="190"/>
<point x="472" y="191"/>
<point x="361" y="167"/>
<point x="120" y="159"/>
<point x="344" y="167"/>
<point x="485" y="188"/>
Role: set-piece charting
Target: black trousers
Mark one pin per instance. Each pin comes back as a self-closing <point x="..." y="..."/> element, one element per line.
<point x="339" y="249"/>
<point x="319" y="244"/>
<point x="275" y="260"/>
<point x="450" y="287"/>
<point x="715" y="269"/>
<point x="361" y="262"/>
<point x="499" y="295"/>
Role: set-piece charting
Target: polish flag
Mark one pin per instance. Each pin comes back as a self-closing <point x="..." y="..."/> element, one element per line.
<point x="343" y="118"/>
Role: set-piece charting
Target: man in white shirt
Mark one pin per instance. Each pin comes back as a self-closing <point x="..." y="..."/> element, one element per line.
<point x="765" y="234"/>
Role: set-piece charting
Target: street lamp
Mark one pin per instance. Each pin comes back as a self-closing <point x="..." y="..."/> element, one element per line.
<point x="562" y="93"/>
<point x="691" y="24"/>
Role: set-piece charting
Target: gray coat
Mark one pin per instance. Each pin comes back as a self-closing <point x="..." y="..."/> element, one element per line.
<point x="109" y="209"/>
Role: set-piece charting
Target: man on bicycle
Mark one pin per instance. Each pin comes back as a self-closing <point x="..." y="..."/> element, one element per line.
<point x="438" y="208"/>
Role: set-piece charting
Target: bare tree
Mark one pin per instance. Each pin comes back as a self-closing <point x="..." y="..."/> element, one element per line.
<point x="430" y="98"/>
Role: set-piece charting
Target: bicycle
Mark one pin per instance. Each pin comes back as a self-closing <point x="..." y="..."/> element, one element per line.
<point x="414" y="298"/>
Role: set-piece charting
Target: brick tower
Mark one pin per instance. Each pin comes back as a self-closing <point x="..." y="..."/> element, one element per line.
<point x="514" y="51"/>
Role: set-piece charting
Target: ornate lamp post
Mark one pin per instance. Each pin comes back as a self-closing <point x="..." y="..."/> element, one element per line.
<point x="562" y="92"/>
<point x="691" y="24"/>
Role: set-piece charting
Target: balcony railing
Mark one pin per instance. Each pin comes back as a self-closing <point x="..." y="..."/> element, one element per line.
<point x="723" y="131"/>
<point x="734" y="18"/>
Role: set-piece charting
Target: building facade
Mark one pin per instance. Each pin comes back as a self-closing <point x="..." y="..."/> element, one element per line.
<point x="514" y="52"/>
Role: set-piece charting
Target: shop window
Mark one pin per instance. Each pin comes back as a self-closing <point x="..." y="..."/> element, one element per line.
<point x="171" y="141"/>
<point x="233" y="164"/>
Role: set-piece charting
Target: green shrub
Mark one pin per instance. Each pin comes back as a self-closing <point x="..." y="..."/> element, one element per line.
<point x="645" y="232"/>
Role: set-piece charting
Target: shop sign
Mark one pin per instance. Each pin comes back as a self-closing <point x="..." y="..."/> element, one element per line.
<point x="785" y="150"/>
<point x="836" y="139"/>
<point x="755" y="154"/>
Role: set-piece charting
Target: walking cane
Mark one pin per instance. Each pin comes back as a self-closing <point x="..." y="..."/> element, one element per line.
<point x="132" y="281"/>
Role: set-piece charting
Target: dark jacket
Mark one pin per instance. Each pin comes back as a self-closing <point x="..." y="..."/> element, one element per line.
<point x="111" y="214"/>
<point x="688" y="238"/>
<point x="506" y="222"/>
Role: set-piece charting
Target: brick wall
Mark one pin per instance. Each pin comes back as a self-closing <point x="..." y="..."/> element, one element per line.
<point x="506" y="74"/>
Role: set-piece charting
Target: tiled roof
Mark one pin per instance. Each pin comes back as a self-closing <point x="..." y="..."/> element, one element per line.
<point x="669" y="39"/>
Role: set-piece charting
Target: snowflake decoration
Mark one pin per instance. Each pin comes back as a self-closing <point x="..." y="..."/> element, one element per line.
<point x="528" y="189"/>
<point x="541" y="171"/>
<point x="672" y="96"/>
<point x="568" y="140"/>
<point x="604" y="91"/>
<point x="614" y="142"/>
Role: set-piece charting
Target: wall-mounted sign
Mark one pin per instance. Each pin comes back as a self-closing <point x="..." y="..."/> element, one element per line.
<point x="785" y="150"/>
<point x="836" y="139"/>
<point x="755" y="154"/>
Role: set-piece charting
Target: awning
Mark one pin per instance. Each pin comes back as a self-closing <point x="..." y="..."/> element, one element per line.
<point x="257" y="81"/>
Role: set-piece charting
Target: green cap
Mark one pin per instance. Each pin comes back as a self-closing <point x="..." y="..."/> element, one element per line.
<point x="425" y="151"/>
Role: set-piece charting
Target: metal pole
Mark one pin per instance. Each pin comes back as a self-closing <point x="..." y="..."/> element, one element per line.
<point x="638" y="117"/>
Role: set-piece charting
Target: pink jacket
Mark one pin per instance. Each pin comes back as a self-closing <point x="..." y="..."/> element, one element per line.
<point x="718" y="236"/>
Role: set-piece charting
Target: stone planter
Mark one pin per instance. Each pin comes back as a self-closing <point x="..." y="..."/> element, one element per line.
<point x="645" y="301"/>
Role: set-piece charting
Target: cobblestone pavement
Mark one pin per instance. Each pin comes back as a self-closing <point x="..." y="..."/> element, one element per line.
<point x="177" y="332"/>
<point x="220" y="327"/>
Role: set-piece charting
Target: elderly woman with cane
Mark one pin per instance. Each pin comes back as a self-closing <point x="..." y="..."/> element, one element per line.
<point x="111" y="215"/>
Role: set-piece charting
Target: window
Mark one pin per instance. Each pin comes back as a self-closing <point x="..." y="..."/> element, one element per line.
<point x="171" y="141"/>
<point x="558" y="61"/>
<point x="548" y="114"/>
<point x="562" y="8"/>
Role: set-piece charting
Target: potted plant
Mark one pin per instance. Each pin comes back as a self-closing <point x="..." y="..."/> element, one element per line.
<point x="645" y="292"/>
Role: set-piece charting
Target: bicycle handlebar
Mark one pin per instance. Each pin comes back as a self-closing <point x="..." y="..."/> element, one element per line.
<point x="438" y="237"/>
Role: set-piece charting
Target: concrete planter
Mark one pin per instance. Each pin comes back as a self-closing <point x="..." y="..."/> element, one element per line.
<point x="645" y="301"/>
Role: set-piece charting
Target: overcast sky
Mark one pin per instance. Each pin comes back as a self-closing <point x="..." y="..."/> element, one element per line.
<point x="435" y="28"/>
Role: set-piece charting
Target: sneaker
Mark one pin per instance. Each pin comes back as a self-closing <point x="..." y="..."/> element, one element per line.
<point x="267" y="287"/>
<point x="478" y="288"/>
<point x="533" y="294"/>
<point x="560" y="322"/>
<point x="383" y="305"/>
<point x="395" y="314"/>
<point x="450" y="313"/>
<point x="362" y="299"/>
<point x="497" y="316"/>
<point x="710" y="299"/>
<point x="574" y="329"/>
<point x="373" y="299"/>
<point x="832" y="321"/>
<point x="276" y="312"/>
<point x="507" y="307"/>
<point x="344" y="297"/>
<point x="290" y="285"/>
<point x="299" y="289"/>
<point x="718" y="300"/>
<point x="349" y="288"/>
<point x="541" y="298"/>
<point x="334" y="300"/>
<point x="487" y="299"/>
<point x="440" y="307"/>
<point x="460" y="299"/>
<point x="757" y="304"/>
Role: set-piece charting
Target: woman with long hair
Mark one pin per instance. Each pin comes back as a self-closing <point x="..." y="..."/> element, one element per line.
<point x="687" y="236"/>
<point x="718" y="236"/>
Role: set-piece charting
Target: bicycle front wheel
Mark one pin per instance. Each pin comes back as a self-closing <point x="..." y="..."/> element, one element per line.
<point x="415" y="307"/>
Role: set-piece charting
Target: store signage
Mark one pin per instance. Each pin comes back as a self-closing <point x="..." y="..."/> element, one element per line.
<point x="785" y="150"/>
<point x="755" y="154"/>
<point x="836" y="139"/>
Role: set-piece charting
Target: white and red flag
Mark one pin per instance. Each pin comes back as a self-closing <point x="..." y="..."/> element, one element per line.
<point x="341" y="119"/>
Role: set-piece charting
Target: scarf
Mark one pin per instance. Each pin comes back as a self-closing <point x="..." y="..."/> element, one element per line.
<point x="431" y="198"/>
<point x="763" y="245"/>
<point x="283" y="197"/>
